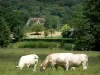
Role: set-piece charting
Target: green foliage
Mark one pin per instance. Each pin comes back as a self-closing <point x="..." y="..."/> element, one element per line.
<point x="55" y="9"/>
<point x="65" y="27"/>
<point x="52" y="22"/>
<point x="15" y="20"/>
<point x="91" y="11"/>
<point x="38" y="44"/>
<point x="46" y="33"/>
<point x="66" y="34"/>
<point x="37" y="27"/>
<point x="56" y="12"/>
<point x="85" y="42"/>
<point x="18" y="33"/>
<point x="65" y="30"/>
<point x="52" y="31"/>
<point x="65" y="40"/>
<point x="80" y="24"/>
<point x="78" y="21"/>
<point x="69" y="46"/>
<point x="42" y="44"/>
<point x="4" y="33"/>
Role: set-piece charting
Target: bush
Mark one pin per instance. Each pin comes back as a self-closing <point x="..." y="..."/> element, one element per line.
<point x="37" y="27"/>
<point x="46" y="33"/>
<point x="41" y="44"/>
<point x="4" y="33"/>
<point x="65" y="40"/>
<point x="81" y="45"/>
<point x="38" y="44"/>
<point x="18" y="33"/>
<point x="65" y="27"/>
<point x="69" y="46"/>
<point x="85" y="42"/>
<point x="66" y="34"/>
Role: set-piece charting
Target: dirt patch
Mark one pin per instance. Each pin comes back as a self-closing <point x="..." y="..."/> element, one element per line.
<point x="28" y="35"/>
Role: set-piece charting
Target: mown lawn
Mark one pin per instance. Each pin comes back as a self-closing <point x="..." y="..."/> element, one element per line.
<point x="9" y="59"/>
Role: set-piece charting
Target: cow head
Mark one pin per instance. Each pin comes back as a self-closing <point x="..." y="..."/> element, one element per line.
<point x="42" y="68"/>
<point x="19" y="67"/>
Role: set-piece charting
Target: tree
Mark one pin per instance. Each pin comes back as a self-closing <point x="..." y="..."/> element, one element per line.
<point x="48" y="22"/>
<point x="56" y="22"/>
<point x="52" y="22"/>
<point x="46" y="33"/>
<point x="18" y="33"/>
<point x="17" y="24"/>
<point x="92" y="13"/>
<point x="67" y="15"/>
<point x="4" y="33"/>
<point x="17" y="12"/>
<point x="65" y="30"/>
<point x="65" y="27"/>
<point x="52" y="31"/>
<point x="78" y="21"/>
<point x="80" y="25"/>
<point x="37" y="27"/>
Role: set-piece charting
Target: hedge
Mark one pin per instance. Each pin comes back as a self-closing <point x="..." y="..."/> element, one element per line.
<point x="65" y="40"/>
<point x="41" y="44"/>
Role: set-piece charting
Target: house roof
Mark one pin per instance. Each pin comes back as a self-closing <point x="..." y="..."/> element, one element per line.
<point x="40" y="19"/>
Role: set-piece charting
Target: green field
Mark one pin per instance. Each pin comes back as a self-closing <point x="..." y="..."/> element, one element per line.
<point x="9" y="59"/>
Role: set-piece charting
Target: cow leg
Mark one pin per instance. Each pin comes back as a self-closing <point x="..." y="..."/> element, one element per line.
<point x="72" y="68"/>
<point x="63" y="66"/>
<point x="84" y="64"/>
<point x="34" y="69"/>
<point x="53" y="65"/>
<point x="56" y="66"/>
<point x="27" y="65"/>
<point x="67" y="66"/>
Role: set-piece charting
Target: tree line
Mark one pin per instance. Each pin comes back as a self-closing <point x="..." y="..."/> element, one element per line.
<point x="82" y="15"/>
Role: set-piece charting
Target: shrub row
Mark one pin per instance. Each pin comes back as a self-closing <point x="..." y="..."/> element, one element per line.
<point x="38" y="44"/>
<point x="65" y="40"/>
<point x="41" y="44"/>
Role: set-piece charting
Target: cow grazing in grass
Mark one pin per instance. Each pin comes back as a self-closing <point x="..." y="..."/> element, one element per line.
<point x="51" y="60"/>
<point x="28" y="60"/>
<point x="76" y="60"/>
<point x="65" y="60"/>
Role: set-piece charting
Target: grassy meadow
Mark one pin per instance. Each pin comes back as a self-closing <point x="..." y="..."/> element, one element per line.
<point x="9" y="59"/>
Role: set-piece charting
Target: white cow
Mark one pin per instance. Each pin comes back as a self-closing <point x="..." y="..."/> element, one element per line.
<point x="65" y="60"/>
<point x="27" y="61"/>
<point x="75" y="60"/>
<point x="51" y="60"/>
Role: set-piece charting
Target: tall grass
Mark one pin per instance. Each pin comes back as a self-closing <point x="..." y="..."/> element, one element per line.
<point x="9" y="59"/>
<point x="38" y="44"/>
<point x="41" y="44"/>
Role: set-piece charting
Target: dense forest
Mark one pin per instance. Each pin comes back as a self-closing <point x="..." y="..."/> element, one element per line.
<point x="62" y="9"/>
<point x="82" y="15"/>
